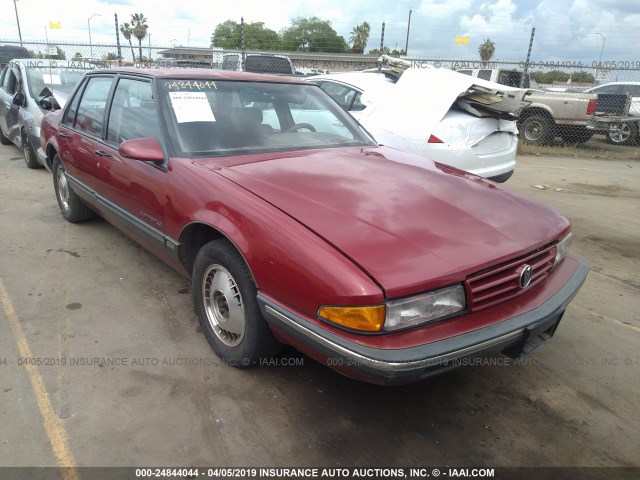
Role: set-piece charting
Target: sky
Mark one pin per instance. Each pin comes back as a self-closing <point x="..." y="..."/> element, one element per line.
<point x="566" y="30"/>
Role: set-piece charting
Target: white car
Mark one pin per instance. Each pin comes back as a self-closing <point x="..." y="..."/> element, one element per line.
<point x="442" y="115"/>
<point x="624" y="133"/>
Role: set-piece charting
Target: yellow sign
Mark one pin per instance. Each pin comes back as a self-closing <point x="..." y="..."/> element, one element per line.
<point x="462" y="40"/>
<point x="55" y="26"/>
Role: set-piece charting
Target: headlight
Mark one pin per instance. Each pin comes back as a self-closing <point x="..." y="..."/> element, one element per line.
<point x="562" y="248"/>
<point x="424" y="308"/>
<point x="398" y="314"/>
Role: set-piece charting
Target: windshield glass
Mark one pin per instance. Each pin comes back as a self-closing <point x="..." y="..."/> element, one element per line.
<point x="59" y="79"/>
<point x="219" y="118"/>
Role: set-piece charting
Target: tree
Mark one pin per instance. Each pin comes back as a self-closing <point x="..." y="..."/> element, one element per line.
<point x="77" y="56"/>
<point x="109" y="56"/>
<point x="387" y="51"/>
<point x="486" y="50"/>
<point x="359" y="37"/>
<point x="139" y="28"/>
<point x="256" y="36"/>
<point x="312" y="35"/>
<point x="125" y="28"/>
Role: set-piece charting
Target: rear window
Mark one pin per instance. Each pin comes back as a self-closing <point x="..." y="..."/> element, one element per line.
<point x="268" y="64"/>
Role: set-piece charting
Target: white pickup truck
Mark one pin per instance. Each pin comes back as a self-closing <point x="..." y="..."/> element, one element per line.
<point x="551" y="114"/>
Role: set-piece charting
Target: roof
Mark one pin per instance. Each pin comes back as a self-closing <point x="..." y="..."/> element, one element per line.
<point x="200" y="73"/>
<point x="361" y="80"/>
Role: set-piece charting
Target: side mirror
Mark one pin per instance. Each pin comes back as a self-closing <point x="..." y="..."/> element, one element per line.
<point x="19" y="99"/>
<point x="144" y="149"/>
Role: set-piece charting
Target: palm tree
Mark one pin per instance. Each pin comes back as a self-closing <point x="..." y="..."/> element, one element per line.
<point x="486" y="50"/>
<point x="139" y="29"/>
<point x="125" y="28"/>
<point x="359" y="36"/>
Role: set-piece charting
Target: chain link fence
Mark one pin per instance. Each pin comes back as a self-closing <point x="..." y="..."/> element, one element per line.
<point x="576" y="108"/>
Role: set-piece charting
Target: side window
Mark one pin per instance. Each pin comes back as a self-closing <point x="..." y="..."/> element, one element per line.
<point x="633" y="90"/>
<point x="90" y="117"/>
<point x="133" y="112"/>
<point x="465" y="72"/>
<point x="10" y="82"/>
<point x="70" y="115"/>
<point x="341" y="94"/>
<point x="607" y="89"/>
<point x="484" y="74"/>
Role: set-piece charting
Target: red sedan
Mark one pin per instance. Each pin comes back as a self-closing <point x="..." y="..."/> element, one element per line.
<point x="296" y="227"/>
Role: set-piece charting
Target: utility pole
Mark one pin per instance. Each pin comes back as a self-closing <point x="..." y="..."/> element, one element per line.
<point x="406" y="45"/>
<point x="18" y="21"/>
<point x="526" y="63"/>
<point x="118" y="41"/>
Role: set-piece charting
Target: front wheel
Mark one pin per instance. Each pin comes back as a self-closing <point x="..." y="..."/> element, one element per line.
<point x="29" y="155"/>
<point x="73" y="209"/>
<point x="225" y="298"/>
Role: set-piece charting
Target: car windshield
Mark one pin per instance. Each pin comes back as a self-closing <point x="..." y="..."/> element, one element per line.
<point x="60" y="79"/>
<point x="219" y="118"/>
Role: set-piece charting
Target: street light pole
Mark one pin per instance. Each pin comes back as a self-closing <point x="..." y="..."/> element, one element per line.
<point x="601" y="49"/>
<point x="89" y="26"/>
<point x="406" y="45"/>
<point x="17" y="21"/>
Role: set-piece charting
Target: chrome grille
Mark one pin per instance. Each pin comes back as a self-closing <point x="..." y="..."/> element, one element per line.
<point x="502" y="282"/>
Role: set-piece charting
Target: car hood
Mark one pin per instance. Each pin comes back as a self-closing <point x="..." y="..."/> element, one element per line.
<point x="408" y="114"/>
<point x="409" y="228"/>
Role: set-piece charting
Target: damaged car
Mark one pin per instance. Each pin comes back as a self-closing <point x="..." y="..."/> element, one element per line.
<point x="297" y="228"/>
<point x="447" y="117"/>
<point x="29" y="88"/>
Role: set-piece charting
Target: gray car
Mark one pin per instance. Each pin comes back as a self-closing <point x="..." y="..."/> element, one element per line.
<point x="28" y="89"/>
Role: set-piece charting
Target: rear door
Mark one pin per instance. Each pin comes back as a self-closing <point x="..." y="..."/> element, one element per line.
<point x="81" y="132"/>
<point x="9" y="113"/>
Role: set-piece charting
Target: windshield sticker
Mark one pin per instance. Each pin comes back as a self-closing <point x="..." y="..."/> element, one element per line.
<point x="191" y="107"/>
<point x="190" y="84"/>
<point x="51" y="79"/>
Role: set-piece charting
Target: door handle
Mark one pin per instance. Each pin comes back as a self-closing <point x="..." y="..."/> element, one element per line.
<point x="64" y="135"/>
<point x="100" y="153"/>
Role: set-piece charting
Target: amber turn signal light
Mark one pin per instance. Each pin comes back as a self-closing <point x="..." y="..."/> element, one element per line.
<point x="368" y="319"/>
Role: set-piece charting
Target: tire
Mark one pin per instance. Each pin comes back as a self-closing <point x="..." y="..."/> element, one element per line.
<point x="27" y="151"/>
<point x="576" y="135"/>
<point x="623" y="133"/>
<point x="537" y="129"/>
<point x="72" y="208"/>
<point x="4" y="140"/>
<point x="224" y="294"/>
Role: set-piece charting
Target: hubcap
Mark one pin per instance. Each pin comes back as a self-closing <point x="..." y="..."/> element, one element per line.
<point x="63" y="188"/>
<point x="619" y="132"/>
<point x="533" y="131"/>
<point x="223" y="305"/>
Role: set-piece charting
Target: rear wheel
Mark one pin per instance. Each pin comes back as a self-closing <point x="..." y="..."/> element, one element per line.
<point x="27" y="150"/>
<point x="623" y="133"/>
<point x="537" y="129"/>
<point x="73" y="209"/>
<point x="4" y="140"/>
<point x="225" y="298"/>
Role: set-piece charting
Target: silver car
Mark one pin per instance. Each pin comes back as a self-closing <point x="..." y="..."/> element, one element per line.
<point x="28" y="89"/>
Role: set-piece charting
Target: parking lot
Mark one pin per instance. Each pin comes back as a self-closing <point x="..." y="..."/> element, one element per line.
<point x="128" y="379"/>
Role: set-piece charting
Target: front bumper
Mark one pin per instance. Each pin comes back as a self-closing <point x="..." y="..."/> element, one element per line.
<point x="515" y="336"/>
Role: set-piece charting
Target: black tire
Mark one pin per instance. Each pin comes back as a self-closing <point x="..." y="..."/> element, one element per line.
<point x="225" y="298"/>
<point x="576" y="135"/>
<point x="623" y="133"/>
<point x="72" y="208"/>
<point x="4" y="140"/>
<point x="537" y="129"/>
<point x="27" y="151"/>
